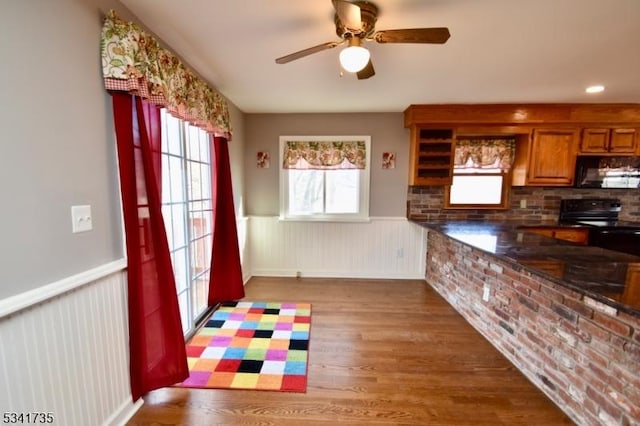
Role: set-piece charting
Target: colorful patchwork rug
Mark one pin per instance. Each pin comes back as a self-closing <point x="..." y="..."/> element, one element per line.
<point x="252" y="345"/>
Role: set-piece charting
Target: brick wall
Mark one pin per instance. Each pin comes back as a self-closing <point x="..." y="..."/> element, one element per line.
<point x="426" y="203"/>
<point x="583" y="354"/>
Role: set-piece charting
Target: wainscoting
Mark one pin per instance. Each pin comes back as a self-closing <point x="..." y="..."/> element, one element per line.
<point x="242" y="224"/>
<point x="68" y="354"/>
<point x="384" y="247"/>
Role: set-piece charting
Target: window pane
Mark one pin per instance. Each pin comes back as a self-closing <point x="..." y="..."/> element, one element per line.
<point x="199" y="223"/>
<point x="179" y="231"/>
<point x="177" y="179"/>
<point x="199" y="256"/>
<point x="476" y="189"/>
<point x="200" y="293"/>
<point x="195" y="189"/>
<point x="205" y="181"/>
<point x="179" y="261"/>
<point x="183" y="301"/>
<point x="342" y="191"/>
<point x="204" y="147"/>
<point x="173" y="126"/>
<point x="193" y="143"/>
<point x="166" y="179"/>
<point x="168" y="225"/>
<point x="305" y="192"/>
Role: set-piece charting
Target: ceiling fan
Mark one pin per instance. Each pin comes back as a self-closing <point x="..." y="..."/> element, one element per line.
<point x="355" y="23"/>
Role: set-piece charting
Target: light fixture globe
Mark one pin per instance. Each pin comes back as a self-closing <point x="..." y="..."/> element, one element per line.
<point x="355" y="57"/>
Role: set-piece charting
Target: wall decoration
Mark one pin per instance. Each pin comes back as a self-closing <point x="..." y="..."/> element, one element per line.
<point x="388" y="160"/>
<point x="263" y="159"/>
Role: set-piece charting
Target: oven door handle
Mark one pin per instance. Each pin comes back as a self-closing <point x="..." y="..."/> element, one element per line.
<point x="616" y="231"/>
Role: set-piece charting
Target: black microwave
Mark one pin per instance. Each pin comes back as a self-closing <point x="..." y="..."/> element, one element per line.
<point x="607" y="172"/>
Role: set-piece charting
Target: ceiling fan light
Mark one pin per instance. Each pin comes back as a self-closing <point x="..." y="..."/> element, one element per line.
<point x="354" y="58"/>
<point x="595" y="89"/>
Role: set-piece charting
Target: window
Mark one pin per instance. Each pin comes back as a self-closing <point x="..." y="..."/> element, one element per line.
<point x="187" y="212"/>
<point x="481" y="174"/>
<point x="324" y="178"/>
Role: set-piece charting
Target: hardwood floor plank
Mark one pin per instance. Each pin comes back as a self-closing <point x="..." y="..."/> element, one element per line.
<point x="382" y="352"/>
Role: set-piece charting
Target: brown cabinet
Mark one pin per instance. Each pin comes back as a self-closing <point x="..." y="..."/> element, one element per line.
<point x="575" y="235"/>
<point x="608" y="141"/>
<point x="431" y="156"/>
<point x="552" y="157"/>
<point x="555" y="268"/>
<point x="631" y="294"/>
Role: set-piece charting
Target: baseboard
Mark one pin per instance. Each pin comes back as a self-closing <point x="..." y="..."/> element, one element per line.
<point x="337" y="274"/>
<point x="124" y="413"/>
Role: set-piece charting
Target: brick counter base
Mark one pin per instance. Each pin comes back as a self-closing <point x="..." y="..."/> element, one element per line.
<point x="582" y="354"/>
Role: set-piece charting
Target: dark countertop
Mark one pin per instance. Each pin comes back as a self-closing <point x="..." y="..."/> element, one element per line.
<point x="592" y="271"/>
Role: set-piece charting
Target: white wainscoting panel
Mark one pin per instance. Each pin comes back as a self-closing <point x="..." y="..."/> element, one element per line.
<point x="68" y="355"/>
<point x="243" y="242"/>
<point x="384" y="247"/>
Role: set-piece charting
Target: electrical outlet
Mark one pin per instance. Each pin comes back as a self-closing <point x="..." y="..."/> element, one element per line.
<point x="486" y="292"/>
<point x="523" y="203"/>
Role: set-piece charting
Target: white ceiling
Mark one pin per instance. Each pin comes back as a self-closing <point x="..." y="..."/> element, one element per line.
<point x="500" y="51"/>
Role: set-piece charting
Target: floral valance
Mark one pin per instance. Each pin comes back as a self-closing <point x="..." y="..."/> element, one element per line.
<point x="133" y="61"/>
<point x="325" y="155"/>
<point x="484" y="153"/>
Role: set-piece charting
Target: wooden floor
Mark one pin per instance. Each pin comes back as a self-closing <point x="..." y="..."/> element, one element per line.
<point x="382" y="352"/>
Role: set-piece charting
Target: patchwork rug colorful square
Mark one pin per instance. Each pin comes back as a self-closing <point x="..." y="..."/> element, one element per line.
<point x="252" y="345"/>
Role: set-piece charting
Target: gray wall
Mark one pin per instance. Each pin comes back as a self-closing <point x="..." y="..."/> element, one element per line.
<point x="57" y="143"/>
<point x="388" y="187"/>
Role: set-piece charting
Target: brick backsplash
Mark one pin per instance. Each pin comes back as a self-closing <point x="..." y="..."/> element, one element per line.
<point x="580" y="352"/>
<point x="543" y="204"/>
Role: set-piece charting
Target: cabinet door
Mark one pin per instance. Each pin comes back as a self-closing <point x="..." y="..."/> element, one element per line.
<point x="555" y="268"/>
<point x="631" y="294"/>
<point x="595" y="141"/>
<point x="552" y="157"/>
<point x="578" y="236"/>
<point x="623" y="141"/>
<point x="547" y="232"/>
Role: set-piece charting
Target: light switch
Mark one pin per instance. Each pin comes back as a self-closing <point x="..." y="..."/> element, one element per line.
<point x="81" y="219"/>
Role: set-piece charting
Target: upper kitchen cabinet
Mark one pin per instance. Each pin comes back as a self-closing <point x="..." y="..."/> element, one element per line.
<point x="549" y="137"/>
<point x="431" y="156"/>
<point x="608" y="141"/>
<point x="552" y="157"/>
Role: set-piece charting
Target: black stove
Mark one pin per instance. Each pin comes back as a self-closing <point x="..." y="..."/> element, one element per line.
<point x="601" y="216"/>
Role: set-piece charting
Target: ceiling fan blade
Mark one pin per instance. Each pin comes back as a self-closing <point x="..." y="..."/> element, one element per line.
<point x="349" y="14"/>
<point x="415" y="35"/>
<point x="307" y="52"/>
<point x="367" y="71"/>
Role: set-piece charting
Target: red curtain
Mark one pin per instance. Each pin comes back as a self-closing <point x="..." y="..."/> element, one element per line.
<point x="226" y="272"/>
<point x="156" y="343"/>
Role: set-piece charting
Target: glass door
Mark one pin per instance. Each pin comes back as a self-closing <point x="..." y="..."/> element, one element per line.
<point x="187" y="213"/>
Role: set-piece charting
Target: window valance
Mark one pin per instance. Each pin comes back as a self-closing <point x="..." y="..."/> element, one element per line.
<point x="484" y="153"/>
<point x="325" y="155"/>
<point x="133" y="61"/>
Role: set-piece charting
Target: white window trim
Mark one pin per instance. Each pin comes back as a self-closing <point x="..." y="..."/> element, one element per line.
<point x="362" y="216"/>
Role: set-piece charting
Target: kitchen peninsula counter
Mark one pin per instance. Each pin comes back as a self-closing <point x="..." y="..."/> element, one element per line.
<point x="566" y="315"/>
<point x="603" y="275"/>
